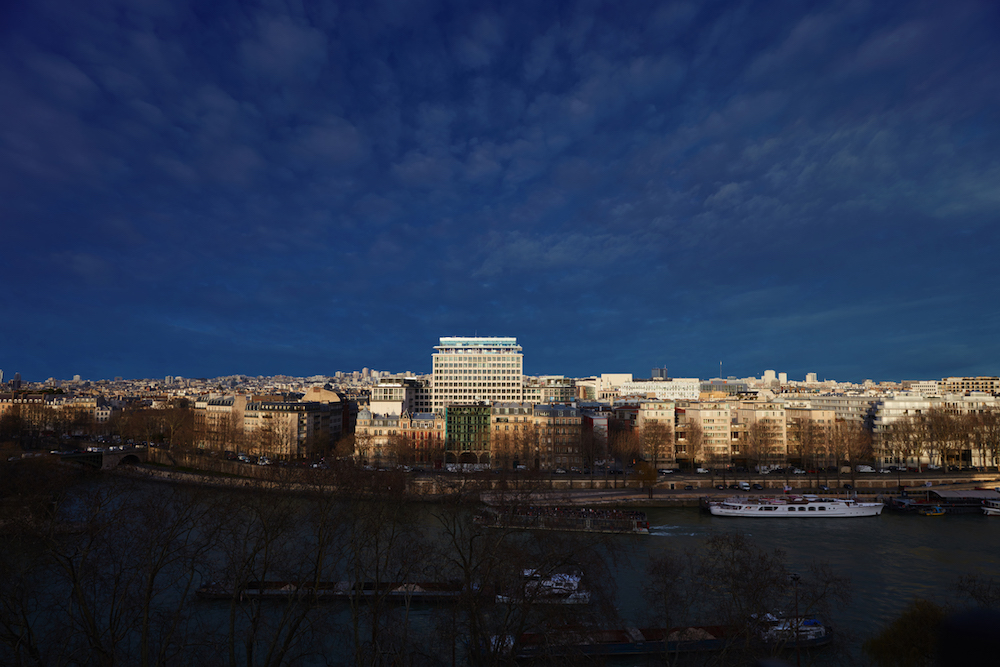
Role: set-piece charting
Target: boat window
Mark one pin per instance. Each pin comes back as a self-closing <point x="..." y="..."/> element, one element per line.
<point x="802" y="509"/>
<point x="812" y="509"/>
<point x="791" y="509"/>
<point x="822" y="509"/>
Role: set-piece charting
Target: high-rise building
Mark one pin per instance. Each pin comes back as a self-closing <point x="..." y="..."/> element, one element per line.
<point x="471" y="370"/>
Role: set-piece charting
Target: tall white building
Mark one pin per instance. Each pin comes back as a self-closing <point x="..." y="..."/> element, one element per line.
<point x="470" y="370"/>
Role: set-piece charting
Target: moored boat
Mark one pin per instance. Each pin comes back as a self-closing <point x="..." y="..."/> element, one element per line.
<point x="556" y="588"/>
<point x="805" y="506"/>
<point x="578" y="641"/>
<point x="543" y="517"/>
<point x="334" y="590"/>
<point x="991" y="507"/>
<point x="932" y="511"/>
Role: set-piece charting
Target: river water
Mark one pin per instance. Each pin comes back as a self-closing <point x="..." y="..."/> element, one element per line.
<point x="890" y="559"/>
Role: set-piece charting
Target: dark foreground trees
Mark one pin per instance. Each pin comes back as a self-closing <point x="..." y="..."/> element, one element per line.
<point x="734" y="583"/>
<point x="104" y="571"/>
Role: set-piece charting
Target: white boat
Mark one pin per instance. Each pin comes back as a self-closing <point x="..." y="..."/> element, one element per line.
<point x="559" y="588"/>
<point x="991" y="507"/>
<point x="805" y="506"/>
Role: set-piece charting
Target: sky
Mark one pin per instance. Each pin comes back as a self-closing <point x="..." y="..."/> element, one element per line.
<point x="206" y="189"/>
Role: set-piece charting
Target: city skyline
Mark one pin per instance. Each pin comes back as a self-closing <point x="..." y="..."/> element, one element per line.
<point x="277" y="189"/>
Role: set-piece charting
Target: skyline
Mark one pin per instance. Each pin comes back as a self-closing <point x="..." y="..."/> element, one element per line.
<point x="293" y="189"/>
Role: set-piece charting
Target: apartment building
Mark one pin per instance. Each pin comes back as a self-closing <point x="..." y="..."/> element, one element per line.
<point x="287" y="430"/>
<point x="763" y="437"/>
<point x="961" y="385"/>
<point x="469" y="370"/>
<point x="559" y="443"/>
<point x="467" y="433"/>
<point x="675" y="389"/>
<point x="399" y="439"/>
<point x="716" y="420"/>
<point x="549" y="389"/>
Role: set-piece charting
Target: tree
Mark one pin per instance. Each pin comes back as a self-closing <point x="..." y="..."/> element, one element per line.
<point x="852" y="443"/>
<point x="694" y="442"/>
<point x="911" y="639"/>
<point x="656" y="441"/>
<point x="741" y="584"/>
<point x="757" y="444"/>
<point x="670" y="589"/>
<point x="383" y="546"/>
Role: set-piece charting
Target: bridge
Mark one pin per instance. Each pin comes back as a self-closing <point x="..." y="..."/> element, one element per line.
<point x="108" y="459"/>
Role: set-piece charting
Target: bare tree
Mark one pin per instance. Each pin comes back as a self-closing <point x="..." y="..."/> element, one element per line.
<point x="694" y="442"/>
<point x="656" y="441"/>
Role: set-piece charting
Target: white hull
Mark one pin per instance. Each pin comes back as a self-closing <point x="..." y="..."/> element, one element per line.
<point x="794" y="507"/>
<point x="991" y="507"/>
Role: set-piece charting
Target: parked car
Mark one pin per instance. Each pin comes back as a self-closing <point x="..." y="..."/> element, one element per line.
<point x="849" y="487"/>
<point x="720" y="487"/>
<point x="688" y="487"/>
<point x="702" y="471"/>
<point x="824" y="487"/>
<point x="757" y="487"/>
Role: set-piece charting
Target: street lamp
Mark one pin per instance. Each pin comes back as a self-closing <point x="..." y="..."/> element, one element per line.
<point x="798" y="656"/>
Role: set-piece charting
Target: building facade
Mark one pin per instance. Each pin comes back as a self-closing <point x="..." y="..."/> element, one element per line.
<point x="467" y="371"/>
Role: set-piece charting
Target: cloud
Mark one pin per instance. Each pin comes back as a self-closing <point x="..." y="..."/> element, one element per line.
<point x="478" y="45"/>
<point x="283" y="49"/>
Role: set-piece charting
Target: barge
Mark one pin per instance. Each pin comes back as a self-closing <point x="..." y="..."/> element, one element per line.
<point x="565" y="518"/>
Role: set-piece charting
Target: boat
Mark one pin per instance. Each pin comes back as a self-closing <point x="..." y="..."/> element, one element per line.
<point x="991" y="507"/>
<point x="557" y="588"/>
<point x="932" y="511"/>
<point x="952" y="501"/>
<point x="543" y="517"/>
<point x="804" y="506"/>
<point x="426" y="591"/>
<point x="777" y="633"/>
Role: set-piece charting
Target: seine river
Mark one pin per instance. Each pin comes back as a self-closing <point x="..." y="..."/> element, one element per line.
<point x="889" y="559"/>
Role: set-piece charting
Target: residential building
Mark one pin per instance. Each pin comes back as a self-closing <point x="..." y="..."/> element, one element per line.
<point x="716" y="420"/>
<point x="675" y="389"/>
<point x="960" y="385"/>
<point x="399" y="439"/>
<point x="467" y="433"/>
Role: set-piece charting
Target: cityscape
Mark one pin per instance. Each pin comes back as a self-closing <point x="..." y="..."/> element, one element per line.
<point x="477" y="409"/>
<point x="425" y="333"/>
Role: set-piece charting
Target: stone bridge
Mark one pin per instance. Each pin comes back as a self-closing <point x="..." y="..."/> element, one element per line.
<point x="108" y="459"/>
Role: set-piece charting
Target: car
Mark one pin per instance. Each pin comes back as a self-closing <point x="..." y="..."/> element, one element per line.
<point x="824" y="487"/>
<point x="720" y="487"/>
<point x="664" y="471"/>
<point x="849" y="487"/>
<point x="734" y="486"/>
<point x="757" y="487"/>
<point x="702" y="471"/>
<point x="688" y="487"/>
<point x="798" y="471"/>
<point x="560" y="471"/>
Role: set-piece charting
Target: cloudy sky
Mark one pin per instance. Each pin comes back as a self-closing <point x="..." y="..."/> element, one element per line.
<point x="205" y="189"/>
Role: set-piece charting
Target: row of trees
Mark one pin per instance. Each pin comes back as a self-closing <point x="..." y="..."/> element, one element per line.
<point x="945" y="438"/>
<point x="33" y="425"/>
<point x="105" y="573"/>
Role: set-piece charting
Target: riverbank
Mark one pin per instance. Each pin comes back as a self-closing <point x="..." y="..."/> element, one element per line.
<point x="434" y="488"/>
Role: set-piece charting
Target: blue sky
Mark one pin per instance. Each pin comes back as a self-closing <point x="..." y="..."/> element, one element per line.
<point x="205" y="189"/>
